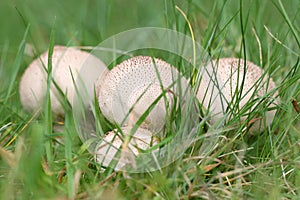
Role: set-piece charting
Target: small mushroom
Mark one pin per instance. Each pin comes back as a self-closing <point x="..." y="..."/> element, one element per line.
<point x="67" y="63"/>
<point x="112" y="151"/>
<point x="226" y="81"/>
<point x="128" y="90"/>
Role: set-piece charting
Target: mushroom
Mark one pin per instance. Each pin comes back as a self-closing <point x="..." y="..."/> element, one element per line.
<point x="226" y="80"/>
<point x="113" y="151"/>
<point x="131" y="87"/>
<point x="67" y="63"/>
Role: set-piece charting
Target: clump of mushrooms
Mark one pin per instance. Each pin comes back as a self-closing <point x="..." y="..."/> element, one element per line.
<point x="66" y="65"/>
<point x="144" y="84"/>
<point x="227" y="79"/>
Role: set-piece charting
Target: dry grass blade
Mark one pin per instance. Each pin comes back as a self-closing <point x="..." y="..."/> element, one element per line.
<point x="8" y="156"/>
<point x="296" y="105"/>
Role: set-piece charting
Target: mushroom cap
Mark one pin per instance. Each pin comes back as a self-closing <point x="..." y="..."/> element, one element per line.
<point x="136" y="83"/>
<point x="113" y="142"/>
<point x="222" y="78"/>
<point x="142" y="98"/>
<point x="66" y="62"/>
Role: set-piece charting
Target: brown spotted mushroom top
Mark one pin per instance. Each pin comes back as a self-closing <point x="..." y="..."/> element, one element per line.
<point x="227" y="79"/>
<point x="135" y="84"/>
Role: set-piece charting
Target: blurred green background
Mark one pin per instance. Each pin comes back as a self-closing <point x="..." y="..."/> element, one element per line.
<point x="87" y="23"/>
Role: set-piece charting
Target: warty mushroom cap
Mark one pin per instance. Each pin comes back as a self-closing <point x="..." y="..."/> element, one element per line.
<point x="136" y="83"/>
<point x="221" y="79"/>
<point x="66" y="62"/>
<point x="113" y="142"/>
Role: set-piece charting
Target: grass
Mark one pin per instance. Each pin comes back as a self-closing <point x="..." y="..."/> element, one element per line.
<point x="39" y="162"/>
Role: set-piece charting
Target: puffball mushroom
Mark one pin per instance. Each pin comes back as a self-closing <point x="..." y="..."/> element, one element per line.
<point x="226" y="79"/>
<point x="66" y="62"/>
<point x="113" y="142"/>
<point x="128" y="90"/>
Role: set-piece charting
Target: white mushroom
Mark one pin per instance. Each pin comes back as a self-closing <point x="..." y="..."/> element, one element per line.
<point x="135" y="84"/>
<point x="67" y="62"/>
<point x="112" y="151"/>
<point x="225" y="82"/>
